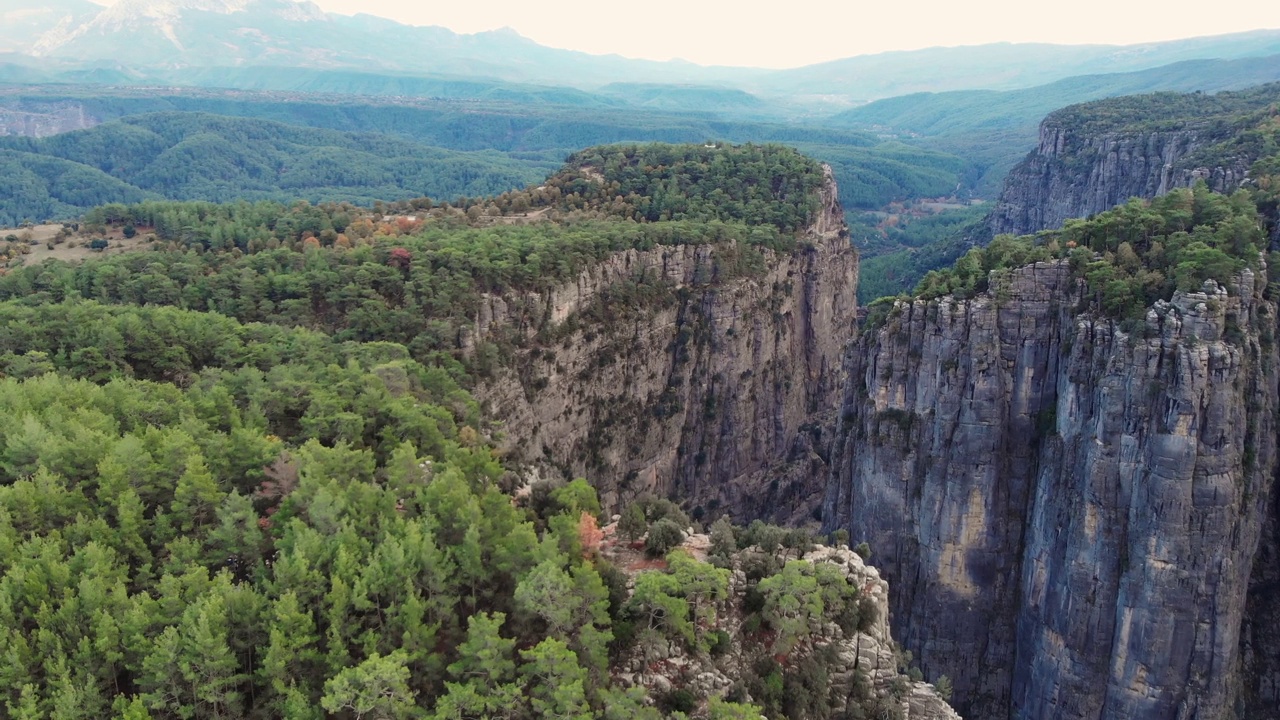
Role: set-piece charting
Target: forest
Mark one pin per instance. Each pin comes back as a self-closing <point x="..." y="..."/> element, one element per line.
<point x="896" y="251"/>
<point x="244" y="475"/>
<point x="1127" y="258"/>
<point x="418" y="281"/>
<point x="1233" y="129"/>
<point x="273" y="146"/>
<point x="191" y="156"/>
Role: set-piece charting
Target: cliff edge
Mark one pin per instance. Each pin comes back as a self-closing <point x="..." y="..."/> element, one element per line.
<point x="688" y="370"/>
<point x="1069" y="510"/>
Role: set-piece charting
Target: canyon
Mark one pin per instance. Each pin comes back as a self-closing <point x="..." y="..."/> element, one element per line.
<point x="1069" y="513"/>
<point x="1076" y="515"/>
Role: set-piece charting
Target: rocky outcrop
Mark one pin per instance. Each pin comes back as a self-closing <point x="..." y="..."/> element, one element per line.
<point x="865" y="671"/>
<point x="705" y="380"/>
<point x="1068" y="511"/>
<point x="38" y="120"/>
<point x="1074" y="175"/>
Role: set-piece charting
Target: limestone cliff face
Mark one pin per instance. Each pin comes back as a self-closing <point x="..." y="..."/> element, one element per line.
<point x="1068" y="513"/>
<point x="701" y="392"/>
<point x="44" y="119"/>
<point x="1072" y="174"/>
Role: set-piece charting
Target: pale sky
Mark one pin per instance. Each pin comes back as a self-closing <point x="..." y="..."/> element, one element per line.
<point x="790" y="33"/>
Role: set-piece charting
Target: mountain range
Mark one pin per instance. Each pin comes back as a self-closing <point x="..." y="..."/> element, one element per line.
<point x="140" y="41"/>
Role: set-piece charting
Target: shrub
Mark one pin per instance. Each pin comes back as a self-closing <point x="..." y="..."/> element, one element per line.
<point x="943" y="686"/>
<point x="664" y="536"/>
<point x="868" y="613"/>
<point x="679" y="700"/>
<point x="719" y="642"/>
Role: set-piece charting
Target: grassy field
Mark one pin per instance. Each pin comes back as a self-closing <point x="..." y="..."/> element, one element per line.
<point x="45" y="242"/>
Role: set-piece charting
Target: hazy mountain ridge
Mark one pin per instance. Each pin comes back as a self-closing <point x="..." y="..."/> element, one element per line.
<point x="149" y="35"/>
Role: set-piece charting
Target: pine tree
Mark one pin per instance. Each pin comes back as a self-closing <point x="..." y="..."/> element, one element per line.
<point x="377" y="688"/>
<point x="555" y="681"/>
<point x="196" y="496"/>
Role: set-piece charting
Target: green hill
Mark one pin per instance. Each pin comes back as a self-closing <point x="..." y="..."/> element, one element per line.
<point x="870" y="171"/>
<point x="36" y="187"/>
<point x="192" y="156"/>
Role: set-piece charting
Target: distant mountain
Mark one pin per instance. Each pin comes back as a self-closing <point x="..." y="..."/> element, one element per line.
<point x="159" y="34"/>
<point x="151" y="40"/>
<point x="685" y="98"/>
<point x="1002" y="66"/>
<point x="969" y="110"/>
<point x="26" y="23"/>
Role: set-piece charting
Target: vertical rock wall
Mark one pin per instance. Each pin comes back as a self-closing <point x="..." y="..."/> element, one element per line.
<point x="703" y="394"/>
<point x="1072" y="175"/>
<point x="1068" y="513"/>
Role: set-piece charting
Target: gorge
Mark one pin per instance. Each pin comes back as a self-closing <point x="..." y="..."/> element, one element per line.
<point x="1070" y="495"/>
<point x="336" y="447"/>
<point x="1075" y="505"/>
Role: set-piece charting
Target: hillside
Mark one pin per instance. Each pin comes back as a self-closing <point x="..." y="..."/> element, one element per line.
<point x="1095" y="155"/>
<point x="192" y="156"/>
<point x="1091" y="157"/>
<point x="709" y="239"/>
<point x="871" y="172"/>
<point x="994" y="129"/>
<point x="1104" y="393"/>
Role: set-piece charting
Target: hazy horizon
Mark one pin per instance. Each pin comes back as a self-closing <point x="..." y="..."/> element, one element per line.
<point x="812" y="31"/>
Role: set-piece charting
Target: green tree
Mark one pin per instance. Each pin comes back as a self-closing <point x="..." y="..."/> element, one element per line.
<point x="555" y="681"/>
<point x="632" y="524"/>
<point x="376" y="688"/>
<point x="792" y="604"/>
<point x="547" y="593"/>
<point x="196" y="497"/>
<point x="663" y="536"/>
<point x="719" y="709"/>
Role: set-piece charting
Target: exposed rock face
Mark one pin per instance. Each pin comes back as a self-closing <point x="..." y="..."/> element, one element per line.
<point x="45" y="119"/>
<point x="1069" y="513"/>
<point x="1260" y="637"/>
<point x="702" y="391"/>
<point x="868" y="655"/>
<point x="1072" y="175"/>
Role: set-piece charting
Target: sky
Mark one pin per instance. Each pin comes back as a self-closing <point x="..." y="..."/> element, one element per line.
<point x="792" y="33"/>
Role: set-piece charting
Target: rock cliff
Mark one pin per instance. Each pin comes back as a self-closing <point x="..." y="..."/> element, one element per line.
<point x="1073" y="174"/>
<point x="862" y="669"/>
<point x="693" y="370"/>
<point x="38" y="119"/>
<point x="1068" y="511"/>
